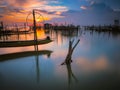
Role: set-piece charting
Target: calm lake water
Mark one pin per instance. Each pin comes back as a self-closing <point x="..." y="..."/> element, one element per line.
<point x="95" y="66"/>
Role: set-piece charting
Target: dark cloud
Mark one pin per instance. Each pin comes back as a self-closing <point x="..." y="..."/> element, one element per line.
<point x="46" y="12"/>
<point x="100" y="7"/>
<point x="21" y="2"/>
<point x="7" y="8"/>
<point x="97" y="13"/>
<point x="1" y="16"/>
<point x="42" y="11"/>
<point x="13" y="2"/>
<point x="115" y="4"/>
<point x="18" y="10"/>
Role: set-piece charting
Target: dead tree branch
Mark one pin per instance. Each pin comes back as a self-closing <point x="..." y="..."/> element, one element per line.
<point x="70" y="52"/>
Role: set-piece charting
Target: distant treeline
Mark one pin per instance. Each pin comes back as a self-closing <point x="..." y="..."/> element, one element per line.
<point x="103" y="28"/>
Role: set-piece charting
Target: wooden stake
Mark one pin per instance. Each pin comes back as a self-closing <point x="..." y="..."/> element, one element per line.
<point x="34" y="28"/>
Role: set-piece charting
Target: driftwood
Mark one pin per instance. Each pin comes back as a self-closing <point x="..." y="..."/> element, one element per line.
<point x="70" y="52"/>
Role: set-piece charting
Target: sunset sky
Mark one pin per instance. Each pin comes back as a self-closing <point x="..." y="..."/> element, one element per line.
<point x="82" y="12"/>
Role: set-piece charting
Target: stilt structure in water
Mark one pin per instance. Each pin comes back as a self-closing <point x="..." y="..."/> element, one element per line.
<point x="22" y="43"/>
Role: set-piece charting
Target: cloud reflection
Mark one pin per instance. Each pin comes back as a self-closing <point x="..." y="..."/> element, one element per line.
<point x="87" y="65"/>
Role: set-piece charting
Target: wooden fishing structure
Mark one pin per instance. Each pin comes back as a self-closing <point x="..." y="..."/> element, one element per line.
<point x="22" y="43"/>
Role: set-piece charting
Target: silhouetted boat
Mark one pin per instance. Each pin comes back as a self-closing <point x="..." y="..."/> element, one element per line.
<point x="12" y="56"/>
<point x="23" y="43"/>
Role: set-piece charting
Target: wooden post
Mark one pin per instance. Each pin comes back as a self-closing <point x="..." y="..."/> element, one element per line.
<point x="25" y="30"/>
<point x="1" y="27"/>
<point x="17" y="29"/>
<point x="34" y="28"/>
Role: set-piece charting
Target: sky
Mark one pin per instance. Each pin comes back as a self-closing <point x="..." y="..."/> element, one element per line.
<point x="78" y="12"/>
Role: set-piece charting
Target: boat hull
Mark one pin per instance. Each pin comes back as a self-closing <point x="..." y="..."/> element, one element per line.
<point x="23" y="43"/>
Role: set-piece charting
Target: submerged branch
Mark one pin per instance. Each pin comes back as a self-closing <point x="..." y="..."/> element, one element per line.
<point x="76" y="44"/>
<point x="70" y="51"/>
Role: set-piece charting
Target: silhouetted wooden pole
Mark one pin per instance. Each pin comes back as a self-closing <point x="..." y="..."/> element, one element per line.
<point x="34" y="28"/>
<point x="25" y="30"/>
<point x="1" y="25"/>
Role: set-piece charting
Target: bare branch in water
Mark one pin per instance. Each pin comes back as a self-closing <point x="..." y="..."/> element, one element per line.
<point x="70" y="52"/>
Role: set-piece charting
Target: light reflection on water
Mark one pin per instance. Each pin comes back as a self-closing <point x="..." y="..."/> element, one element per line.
<point x="95" y="63"/>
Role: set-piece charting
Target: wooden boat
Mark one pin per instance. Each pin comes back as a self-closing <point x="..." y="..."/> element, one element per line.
<point x="12" y="56"/>
<point x="23" y="43"/>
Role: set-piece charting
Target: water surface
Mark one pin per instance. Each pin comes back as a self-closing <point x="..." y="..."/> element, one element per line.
<point x="95" y="66"/>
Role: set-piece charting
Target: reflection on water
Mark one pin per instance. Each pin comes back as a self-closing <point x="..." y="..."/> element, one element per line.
<point x="70" y="75"/>
<point x="12" y="56"/>
<point x="95" y="66"/>
<point x="23" y="36"/>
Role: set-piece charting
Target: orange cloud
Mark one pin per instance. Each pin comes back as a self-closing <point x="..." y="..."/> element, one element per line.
<point x="58" y="13"/>
<point x="20" y="9"/>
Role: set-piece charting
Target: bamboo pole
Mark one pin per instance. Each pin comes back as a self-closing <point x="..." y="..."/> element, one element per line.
<point x="34" y="28"/>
